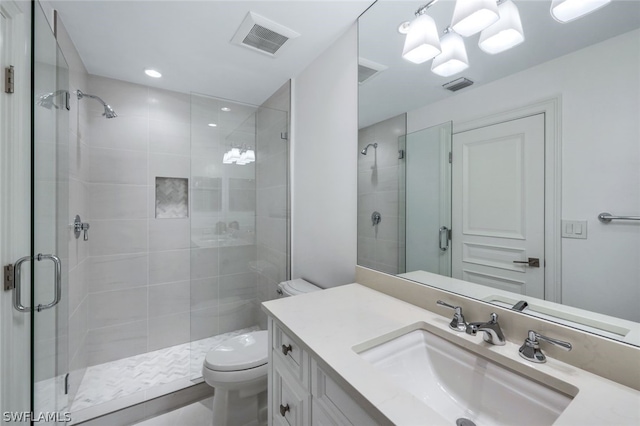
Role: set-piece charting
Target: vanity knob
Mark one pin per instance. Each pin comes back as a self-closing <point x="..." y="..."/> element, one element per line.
<point x="284" y="409"/>
<point x="286" y="349"/>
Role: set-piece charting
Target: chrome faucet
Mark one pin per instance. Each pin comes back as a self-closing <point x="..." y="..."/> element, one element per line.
<point x="530" y="349"/>
<point x="457" y="323"/>
<point x="491" y="329"/>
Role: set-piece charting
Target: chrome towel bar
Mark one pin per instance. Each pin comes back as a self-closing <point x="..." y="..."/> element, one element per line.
<point x="608" y="217"/>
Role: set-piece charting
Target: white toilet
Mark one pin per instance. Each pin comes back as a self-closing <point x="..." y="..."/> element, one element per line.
<point x="237" y="369"/>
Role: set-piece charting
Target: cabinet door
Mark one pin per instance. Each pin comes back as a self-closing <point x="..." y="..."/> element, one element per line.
<point x="332" y="405"/>
<point x="290" y="402"/>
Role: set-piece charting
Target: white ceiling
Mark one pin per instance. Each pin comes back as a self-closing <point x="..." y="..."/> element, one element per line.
<point x="405" y="86"/>
<point x="189" y="42"/>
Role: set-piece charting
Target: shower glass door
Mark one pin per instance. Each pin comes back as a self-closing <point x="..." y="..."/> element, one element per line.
<point x="428" y="200"/>
<point x="50" y="233"/>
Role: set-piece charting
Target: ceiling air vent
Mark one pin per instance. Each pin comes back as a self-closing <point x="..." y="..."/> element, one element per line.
<point x="368" y="69"/>
<point x="458" y="84"/>
<point x="263" y="35"/>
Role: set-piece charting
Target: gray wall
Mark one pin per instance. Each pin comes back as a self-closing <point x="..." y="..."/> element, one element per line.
<point x="324" y="193"/>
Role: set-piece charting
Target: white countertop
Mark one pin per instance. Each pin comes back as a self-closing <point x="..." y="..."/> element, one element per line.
<point x="330" y="323"/>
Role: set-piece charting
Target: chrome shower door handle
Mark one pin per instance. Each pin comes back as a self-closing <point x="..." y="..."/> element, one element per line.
<point x="444" y="235"/>
<point x="57" y="294"/>
<point x="17" y="285"/>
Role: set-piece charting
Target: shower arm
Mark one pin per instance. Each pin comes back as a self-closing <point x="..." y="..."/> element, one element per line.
<point x="81" y="95"/>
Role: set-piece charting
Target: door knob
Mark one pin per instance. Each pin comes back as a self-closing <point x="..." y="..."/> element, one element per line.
<point x="533" y="262"/>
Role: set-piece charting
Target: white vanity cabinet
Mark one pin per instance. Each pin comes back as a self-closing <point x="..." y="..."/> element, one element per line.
<point x="300" y="391"/>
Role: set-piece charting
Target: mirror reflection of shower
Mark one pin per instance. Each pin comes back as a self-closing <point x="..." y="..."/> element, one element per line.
<point x="47" y="101"/>
<point x="364" y="151"/>
<point x="108" y="111"/>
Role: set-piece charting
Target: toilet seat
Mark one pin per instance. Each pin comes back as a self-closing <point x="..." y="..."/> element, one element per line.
<point x="243" y="352"/>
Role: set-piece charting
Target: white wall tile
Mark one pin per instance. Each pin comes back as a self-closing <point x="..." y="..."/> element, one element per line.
<point x="118" y="166"/>
<point x="169" y="299"/>
<point x="204" y="293"/>
<point x="109" y="308"/>
<point x="124" y="132"/>
<point x="120" y="341"/>
<point x="169" y="234"/>
<point x="117" y="272"/>
<point x="111" y="201"/>
<point x="169" y="266"/>
<point x="169" y="331"/>
<point x="204" y="263"/>
<point x="110" y="237"/>
<point x="204" y="323"/>
<point x="169" y="137"/>
<point x="165" y="105"/>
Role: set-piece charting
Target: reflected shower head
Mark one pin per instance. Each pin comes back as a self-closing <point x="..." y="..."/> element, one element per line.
<point x="364" y="151"/>
<point x="47" y="101"/>
<point x="108" y="111"/>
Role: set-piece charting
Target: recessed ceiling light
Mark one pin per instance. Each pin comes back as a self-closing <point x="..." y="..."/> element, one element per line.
<point x="212" y="125"/>
<point x="225" y="109"/>
<point x="152" y="73"/>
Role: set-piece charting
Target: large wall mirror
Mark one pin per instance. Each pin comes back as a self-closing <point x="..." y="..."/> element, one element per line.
<point x="489" y="180"/>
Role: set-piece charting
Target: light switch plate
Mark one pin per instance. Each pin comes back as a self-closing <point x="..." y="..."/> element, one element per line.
<point x="574" y="229"/>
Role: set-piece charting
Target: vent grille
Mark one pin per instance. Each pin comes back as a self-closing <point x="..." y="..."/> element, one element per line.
<point x="263" y="35"/>
<point x="458" y="84"/>
<point x="368" y="69"/>
<point x="264" y="39"/>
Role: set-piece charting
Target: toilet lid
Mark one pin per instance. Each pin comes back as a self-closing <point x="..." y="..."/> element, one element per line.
<point x="298" y="286"/>
<point x="242" y="352"/>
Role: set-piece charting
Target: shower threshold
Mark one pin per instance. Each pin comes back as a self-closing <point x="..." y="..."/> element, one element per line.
<point x="115" y="385"/>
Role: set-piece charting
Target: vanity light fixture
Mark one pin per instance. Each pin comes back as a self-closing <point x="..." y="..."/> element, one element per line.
<point x="568" y="10"/>
<point x="472" y="16"/>
<point x="504" y="34"/>
<point x="152" y="73"/>
<point x="422" y="42"/>
<point x="453" y="58"/>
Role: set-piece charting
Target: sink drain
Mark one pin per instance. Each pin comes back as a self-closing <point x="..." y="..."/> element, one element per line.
<point x="464" y="422"/>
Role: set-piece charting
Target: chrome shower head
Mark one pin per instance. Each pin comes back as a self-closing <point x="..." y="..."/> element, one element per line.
<point x="108" y="111"/>
<point x="364" y="151"/>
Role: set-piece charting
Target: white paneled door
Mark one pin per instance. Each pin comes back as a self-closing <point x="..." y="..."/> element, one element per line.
<point x="498" y="206"/>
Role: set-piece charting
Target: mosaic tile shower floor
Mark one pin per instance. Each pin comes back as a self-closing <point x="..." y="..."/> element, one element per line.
<point x="117" y="379"/>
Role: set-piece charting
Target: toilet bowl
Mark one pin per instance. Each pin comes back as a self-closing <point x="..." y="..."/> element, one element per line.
<point x="237" y="370"/>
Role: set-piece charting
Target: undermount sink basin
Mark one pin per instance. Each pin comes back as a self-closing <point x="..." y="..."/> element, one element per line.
<point x="459" y="384"/>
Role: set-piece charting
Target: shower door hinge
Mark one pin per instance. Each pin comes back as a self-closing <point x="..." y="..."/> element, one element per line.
<point x="9" y="79"/>
<point x="284" y="136"/>
<point x="450" y="158"/>
<point x="8" y="277"/>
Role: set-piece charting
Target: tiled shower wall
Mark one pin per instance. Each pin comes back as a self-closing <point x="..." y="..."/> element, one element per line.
<point x="272" y="216"/>
<point x="380" y="185"/>
<point x="138" y="273"/>
<point x="78" y="262"/>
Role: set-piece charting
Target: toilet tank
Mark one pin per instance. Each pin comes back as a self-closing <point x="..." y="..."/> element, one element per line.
<point x="297" y="286"/>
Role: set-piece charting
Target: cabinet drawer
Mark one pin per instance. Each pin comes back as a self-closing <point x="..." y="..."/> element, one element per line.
<point x="290" y="403"/>
<point x="293" y="356"/>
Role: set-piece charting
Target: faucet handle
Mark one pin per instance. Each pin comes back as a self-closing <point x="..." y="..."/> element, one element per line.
<point x="530" y="349"/>
<point x="457" y="323"/>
